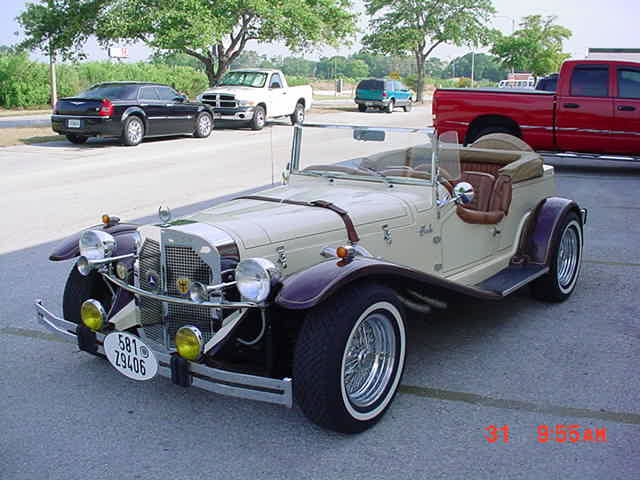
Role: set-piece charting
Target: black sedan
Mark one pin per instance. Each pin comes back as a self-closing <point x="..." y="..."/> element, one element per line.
<point x="131" y="111"/>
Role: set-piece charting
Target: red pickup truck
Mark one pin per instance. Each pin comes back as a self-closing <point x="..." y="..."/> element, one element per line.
<point x="596" y="109"/>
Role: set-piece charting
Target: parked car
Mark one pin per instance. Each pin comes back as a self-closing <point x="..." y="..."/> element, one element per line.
<point x="383" y="94"/>
<point x="596" y="109"/>
<point x="302" y="292"/>
<point x="252" y="96"/>
<point x="131" y="111"/>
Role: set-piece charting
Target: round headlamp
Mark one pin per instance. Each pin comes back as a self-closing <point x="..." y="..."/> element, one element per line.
<point x="255" y="277"/>
<point x="92" y="314"/>
<point x="189" y="342"/>
<point x="122" y="271"/>
<point x="96" y="244"/>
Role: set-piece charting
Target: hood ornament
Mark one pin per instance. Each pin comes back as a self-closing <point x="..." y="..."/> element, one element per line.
<point x="165" y="215"/>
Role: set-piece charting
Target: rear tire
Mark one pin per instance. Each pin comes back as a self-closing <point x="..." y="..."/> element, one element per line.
<point x="77" y="139"/>
<point x="565" y="261"/>
<point x="297" y="117"/>
<point x="133" y="131"/>
<point x="349" y="358"/>
<point x="204" y="125"/>
<point x="390" y="106"/>
<point x="362" y="108"/>
<point x="259" y="118"/>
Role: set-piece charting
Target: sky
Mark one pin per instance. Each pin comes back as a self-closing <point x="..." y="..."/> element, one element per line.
<point x="593" y="23"/>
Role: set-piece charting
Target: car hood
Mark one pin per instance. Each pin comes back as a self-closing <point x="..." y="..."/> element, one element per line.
<point x="256" y="223"/>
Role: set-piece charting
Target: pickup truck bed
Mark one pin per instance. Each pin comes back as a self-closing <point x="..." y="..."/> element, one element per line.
<point x="596" y="110"/>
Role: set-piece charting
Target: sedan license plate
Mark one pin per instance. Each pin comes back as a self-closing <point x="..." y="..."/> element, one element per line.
<point x="130" y="356"/>
<point x="73" y="123"/>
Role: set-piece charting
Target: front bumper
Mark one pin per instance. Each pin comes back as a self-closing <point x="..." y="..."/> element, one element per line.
<point x="234" y="384"/>
<point x="89" y="126"/>
<point x="243" y="114"/>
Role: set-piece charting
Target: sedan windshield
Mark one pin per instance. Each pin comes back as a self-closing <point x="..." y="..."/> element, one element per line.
<point x="114" y="92"/>
<point x="245" y="79"/>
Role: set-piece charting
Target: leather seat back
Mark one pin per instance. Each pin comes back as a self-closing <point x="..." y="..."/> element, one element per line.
<point x="482" y="187"/>
<point x="501" y="195"/>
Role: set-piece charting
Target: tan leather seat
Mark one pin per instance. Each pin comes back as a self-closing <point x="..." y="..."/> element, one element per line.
<point x="498" y="205"/>
<point x="482" y="188"/>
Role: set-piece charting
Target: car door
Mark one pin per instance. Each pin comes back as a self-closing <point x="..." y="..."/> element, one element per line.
<point x="278" y="95"/>
<point x="404" y="93"/>
<point x="626" y="123"/>
<point x="181" y="114"/>
<point x="585" y="116"/>
<point x="154" y="109"/>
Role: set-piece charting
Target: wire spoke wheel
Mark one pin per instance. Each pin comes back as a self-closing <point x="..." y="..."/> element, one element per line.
<point x="369" y="360"/>
<point x="567" y="261"/>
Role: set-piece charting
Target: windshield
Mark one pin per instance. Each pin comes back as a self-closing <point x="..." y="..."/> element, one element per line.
<point x="245" y="79"/>
<point x="390" y="155"/>
<point x="114" y="92"/>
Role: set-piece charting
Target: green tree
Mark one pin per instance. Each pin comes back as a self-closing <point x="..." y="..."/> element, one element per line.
<point x="486" y="67"/>
<point x="535" y="47"/>
<point x="175" y="59"/>
<point x="417" y="27"/>
<point x="355" y="68"/>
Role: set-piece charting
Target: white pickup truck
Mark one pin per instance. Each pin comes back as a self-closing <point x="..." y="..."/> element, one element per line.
<point x="253" y="95"/>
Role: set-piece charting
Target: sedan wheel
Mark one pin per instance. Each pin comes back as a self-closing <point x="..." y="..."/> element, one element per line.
<point x="133" y="131"/>
<point x="349" y="358"/>
<point x="204" y="125"/>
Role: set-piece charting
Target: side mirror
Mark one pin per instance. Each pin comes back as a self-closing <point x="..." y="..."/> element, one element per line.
<point x="180" y="99"/>
<point x="463" y="193"/>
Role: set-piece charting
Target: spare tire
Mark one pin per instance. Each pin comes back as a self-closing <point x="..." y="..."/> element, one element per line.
<point x="501" y="141"/>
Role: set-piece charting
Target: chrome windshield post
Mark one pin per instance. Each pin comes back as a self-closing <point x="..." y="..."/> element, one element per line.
<point x="435" y="171"/>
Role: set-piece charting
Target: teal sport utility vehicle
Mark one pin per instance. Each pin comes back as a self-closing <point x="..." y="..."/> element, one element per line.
<point x="383" y="94"/>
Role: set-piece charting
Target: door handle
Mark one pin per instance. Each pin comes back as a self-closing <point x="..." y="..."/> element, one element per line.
<point x="571" y="105"/>
<point x="626" y="108"/>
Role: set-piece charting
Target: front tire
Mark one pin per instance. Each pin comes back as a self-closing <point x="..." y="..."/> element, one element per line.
<point x="133" y="131"/>
<point x="349" y="358"/>
<point x="259" y="118"/>
<point x="77" y="139"/>
<point x="565" y="261"/>
<point x="297" y="117"/>
<point x="204" y="125"/>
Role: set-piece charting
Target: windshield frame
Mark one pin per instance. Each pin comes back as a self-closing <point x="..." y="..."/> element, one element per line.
<point x="265" y="75"/>
<point x="294" y="166"/>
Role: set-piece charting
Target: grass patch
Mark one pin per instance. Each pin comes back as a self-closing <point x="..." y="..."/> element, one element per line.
<point x="27" y="136"/>
<point x="37" y="110"/>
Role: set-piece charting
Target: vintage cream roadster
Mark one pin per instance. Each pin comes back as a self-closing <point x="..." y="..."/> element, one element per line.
<point x="303" y="291"/>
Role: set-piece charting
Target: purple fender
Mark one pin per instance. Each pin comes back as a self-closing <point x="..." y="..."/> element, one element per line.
<point x="308" y="288"/>
<point x="544" y="225"/>
<point x="123" y="232"/>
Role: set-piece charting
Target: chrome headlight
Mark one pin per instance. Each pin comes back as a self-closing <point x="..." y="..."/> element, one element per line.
<point x="246" y="103"/>
<point x="96" y="244"/>
<point x="255" y="277"/>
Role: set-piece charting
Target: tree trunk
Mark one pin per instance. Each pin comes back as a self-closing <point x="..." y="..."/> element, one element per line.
<point x="420" y="77"/>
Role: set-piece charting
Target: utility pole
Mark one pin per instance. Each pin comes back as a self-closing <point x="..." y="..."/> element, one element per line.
<point x="473" y="67"/>
<point x="52" y="69"/>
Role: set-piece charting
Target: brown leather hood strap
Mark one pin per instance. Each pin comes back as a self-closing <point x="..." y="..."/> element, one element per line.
<point x="352" y="235"/>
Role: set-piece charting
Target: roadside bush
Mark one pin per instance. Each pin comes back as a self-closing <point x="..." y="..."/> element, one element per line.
<point x="463" y="82"/>
<point x="24" y="83"/>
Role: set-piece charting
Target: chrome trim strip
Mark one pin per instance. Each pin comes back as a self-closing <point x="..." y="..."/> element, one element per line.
<point x="534" y="127"/>
<point x="456" y="123"/>
<point x="180" y="301"/>
<point x="242" y="385"/>
<point x="65" y="117"/>
<point x="426" y="131"/>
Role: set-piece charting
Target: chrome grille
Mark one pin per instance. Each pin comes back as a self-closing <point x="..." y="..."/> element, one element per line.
<point x="160" y="322"/>
<point x="219" y="100"/>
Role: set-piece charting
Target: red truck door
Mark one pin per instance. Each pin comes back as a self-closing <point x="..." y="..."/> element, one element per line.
<point x="584" y="117"/>
<point x="626" y="124"/>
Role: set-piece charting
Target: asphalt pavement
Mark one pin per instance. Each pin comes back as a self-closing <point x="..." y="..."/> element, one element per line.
<point x="518" y="363"/>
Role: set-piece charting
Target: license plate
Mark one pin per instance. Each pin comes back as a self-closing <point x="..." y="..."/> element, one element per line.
<point x="73" y="123"/>
<point x="130" y="356"/>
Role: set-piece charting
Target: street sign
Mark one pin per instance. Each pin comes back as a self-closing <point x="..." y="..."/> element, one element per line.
<point x="118" y="52"/>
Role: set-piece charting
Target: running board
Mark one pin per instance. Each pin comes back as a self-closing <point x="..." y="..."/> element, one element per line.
<point x="590" y="156"/>
<point x="512" y="278"/>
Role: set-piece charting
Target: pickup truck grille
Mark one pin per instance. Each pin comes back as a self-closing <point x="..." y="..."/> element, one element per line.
<point x="161" y="321"/>
<point x="220" y="100"/>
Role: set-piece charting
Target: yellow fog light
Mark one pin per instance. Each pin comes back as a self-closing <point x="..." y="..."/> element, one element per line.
<point x="92" y="314"/>
<point x="189" y="342"/>
<point x="122" y="271"/>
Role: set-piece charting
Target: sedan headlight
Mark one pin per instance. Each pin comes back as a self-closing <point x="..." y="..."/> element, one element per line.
<point x="96" y="244"/>
<point x="246" y="103"/>
<point x="255" y="277"/>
